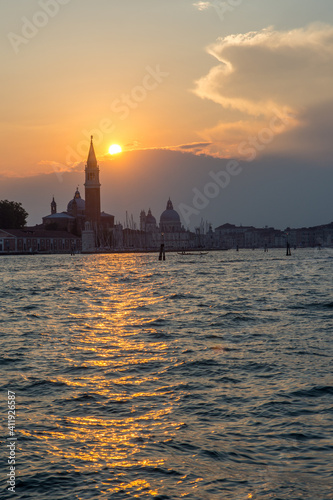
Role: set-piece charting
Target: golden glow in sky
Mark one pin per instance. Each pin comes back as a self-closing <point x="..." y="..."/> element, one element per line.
<point x="226" y="88"/>
<point x="240" y="74"/>
<point x="115" y="149"/>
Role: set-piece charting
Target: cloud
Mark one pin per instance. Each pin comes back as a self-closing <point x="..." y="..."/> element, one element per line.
<point x="203" y="5"/>
<point x="49" y="166"/>
<point x="132" y="145"/>
<point x="268" y="73"/>
<point x="312" y="140"/>
<point x="194" y="145"/>
<point x="196" y="148"/>
<point x="41" y="168"/>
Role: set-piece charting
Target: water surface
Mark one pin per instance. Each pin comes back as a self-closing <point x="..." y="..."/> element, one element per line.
<point x="199" y="377"/>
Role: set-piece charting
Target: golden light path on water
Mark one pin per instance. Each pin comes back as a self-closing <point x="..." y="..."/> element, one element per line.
<point x="115" y="439"/>
<point x="139" y="379"/>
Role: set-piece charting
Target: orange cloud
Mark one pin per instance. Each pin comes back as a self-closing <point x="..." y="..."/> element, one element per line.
<point x="267" y="74"/>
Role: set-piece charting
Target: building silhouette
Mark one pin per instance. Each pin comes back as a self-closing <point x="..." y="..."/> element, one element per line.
<point x="84" y="227"/>
<point x="80" y="211"/>
<point x="170" y="220"/>
<point x="92" y="189"/>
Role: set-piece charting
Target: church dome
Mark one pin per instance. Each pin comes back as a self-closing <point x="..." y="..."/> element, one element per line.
<point x="80" y="203"/>
<point x="169" y="215"/>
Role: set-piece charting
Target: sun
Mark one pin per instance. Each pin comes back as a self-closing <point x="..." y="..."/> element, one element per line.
<point x="115" y="149"/>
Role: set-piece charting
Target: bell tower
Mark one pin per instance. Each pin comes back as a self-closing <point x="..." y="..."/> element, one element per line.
<point x="53" y="207"/>
<point x="92" y="188"/>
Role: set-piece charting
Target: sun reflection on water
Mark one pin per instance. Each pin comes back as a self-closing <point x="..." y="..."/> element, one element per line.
<point x="156" y="385"/>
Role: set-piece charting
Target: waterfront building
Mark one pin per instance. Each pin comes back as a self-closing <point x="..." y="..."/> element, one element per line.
<point x="33" y="240"/>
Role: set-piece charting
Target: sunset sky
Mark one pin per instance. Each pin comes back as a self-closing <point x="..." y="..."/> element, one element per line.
<point x="249" y="80"/>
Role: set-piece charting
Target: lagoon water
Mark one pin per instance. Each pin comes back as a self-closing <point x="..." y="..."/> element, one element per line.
<point x="198" y="378"/>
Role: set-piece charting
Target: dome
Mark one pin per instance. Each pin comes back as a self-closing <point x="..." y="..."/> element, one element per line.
<point x="80" y="203"/>
<point x="170" y="215"/>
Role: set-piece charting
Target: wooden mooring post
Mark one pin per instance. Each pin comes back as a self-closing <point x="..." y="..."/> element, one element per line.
<point x="162" y="252"/>
<point x="162" y="248"/>
<point x="288" y="249"/>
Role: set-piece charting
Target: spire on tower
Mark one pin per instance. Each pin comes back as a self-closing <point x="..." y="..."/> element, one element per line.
<point x="91" y="161"/>
<point x="92" y="188"/>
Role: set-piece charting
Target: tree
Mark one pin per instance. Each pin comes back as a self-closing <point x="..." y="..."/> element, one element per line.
<point x="12" y="215"/>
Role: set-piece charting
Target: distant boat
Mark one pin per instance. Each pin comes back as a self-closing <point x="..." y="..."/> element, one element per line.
<point x="192" y="253"/>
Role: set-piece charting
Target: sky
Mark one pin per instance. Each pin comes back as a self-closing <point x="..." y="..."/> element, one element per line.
<point x="238" y="89"/>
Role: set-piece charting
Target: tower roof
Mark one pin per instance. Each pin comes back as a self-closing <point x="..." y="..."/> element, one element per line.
<point x="91" y="161"/>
